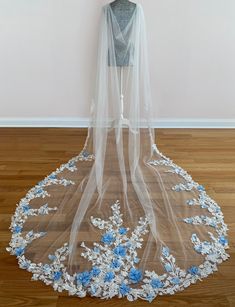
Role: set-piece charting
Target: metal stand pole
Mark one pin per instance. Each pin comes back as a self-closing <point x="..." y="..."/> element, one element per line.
<point x="121" y="92"/>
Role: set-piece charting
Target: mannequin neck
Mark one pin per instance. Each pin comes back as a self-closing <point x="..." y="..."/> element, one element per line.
<point x="122" y="1"/>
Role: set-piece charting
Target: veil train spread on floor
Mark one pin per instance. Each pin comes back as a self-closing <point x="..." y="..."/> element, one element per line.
<point x="119" y="219"/>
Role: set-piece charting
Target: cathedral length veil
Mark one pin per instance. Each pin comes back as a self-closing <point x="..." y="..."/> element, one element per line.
<point x="120" y="219"/>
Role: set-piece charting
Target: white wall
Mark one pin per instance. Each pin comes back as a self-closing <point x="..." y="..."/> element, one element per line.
<point x="48" y="53"/>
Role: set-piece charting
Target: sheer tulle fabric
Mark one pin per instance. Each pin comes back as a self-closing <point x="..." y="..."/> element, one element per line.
<point x="118" y="162"/>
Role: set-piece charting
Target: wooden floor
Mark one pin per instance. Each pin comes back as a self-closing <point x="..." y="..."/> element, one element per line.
<point x="28" y="155"/>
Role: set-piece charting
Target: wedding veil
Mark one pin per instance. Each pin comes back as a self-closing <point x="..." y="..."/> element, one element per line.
<point x="120" y="186"/>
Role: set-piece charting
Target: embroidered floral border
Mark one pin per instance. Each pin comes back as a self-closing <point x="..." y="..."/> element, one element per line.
<point x="114" y="259"/>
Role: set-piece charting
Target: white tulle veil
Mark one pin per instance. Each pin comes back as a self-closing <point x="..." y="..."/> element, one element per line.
<point x="121" y="118"/>
<point x="120" y="197"/>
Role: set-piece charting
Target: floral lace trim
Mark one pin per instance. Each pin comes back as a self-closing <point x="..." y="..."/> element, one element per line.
<point x="114" y="259"/>
<point x="204" y="201"/>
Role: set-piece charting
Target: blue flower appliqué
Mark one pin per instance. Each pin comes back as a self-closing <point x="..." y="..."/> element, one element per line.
<point x="165" y="251"/>
<point x="57" y="275"/>
<point x="52" y="257"/>
<point x="200" y="188"/>
<point x="19" y="251"/>
<point x="115" y="264"/>
<point x="39" y="191"/>
<point x="156" y="283"/>
<point x="17" y="229"/>
<point x="122" y="231"/>
<point x="120" y="251"/>
<point x="95" y="271"/>
<point x="198" y="248"/>
<point x="175" y="280"/>
<point x="223" y="240"/>
<point x="96" y="250"/>
<point x="168" y="267"/>
<point x="26" y="208"/>
<point x="193" y="270"/>
<point x="108" y="238"/>
<point x="109" y="277"/>
<point x="85" y="153"/>
<point x="135" y="275"/>
<point x="84" y="278"/>
<point x="124" y="289"/>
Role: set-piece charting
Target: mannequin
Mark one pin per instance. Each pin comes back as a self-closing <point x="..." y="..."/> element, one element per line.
<point x="123" y="11"/>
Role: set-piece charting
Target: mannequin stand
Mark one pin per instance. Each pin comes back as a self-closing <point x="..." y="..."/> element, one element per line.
<point x="124" y="121"/>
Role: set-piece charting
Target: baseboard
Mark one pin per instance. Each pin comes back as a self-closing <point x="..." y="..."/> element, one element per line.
<point x="71" y="122"/>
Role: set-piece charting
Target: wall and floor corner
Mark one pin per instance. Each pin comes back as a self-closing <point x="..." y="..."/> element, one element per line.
<point x="48" y="54"/>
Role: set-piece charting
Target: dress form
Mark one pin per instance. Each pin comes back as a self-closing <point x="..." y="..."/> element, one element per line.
<point x="123" y="11"/>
